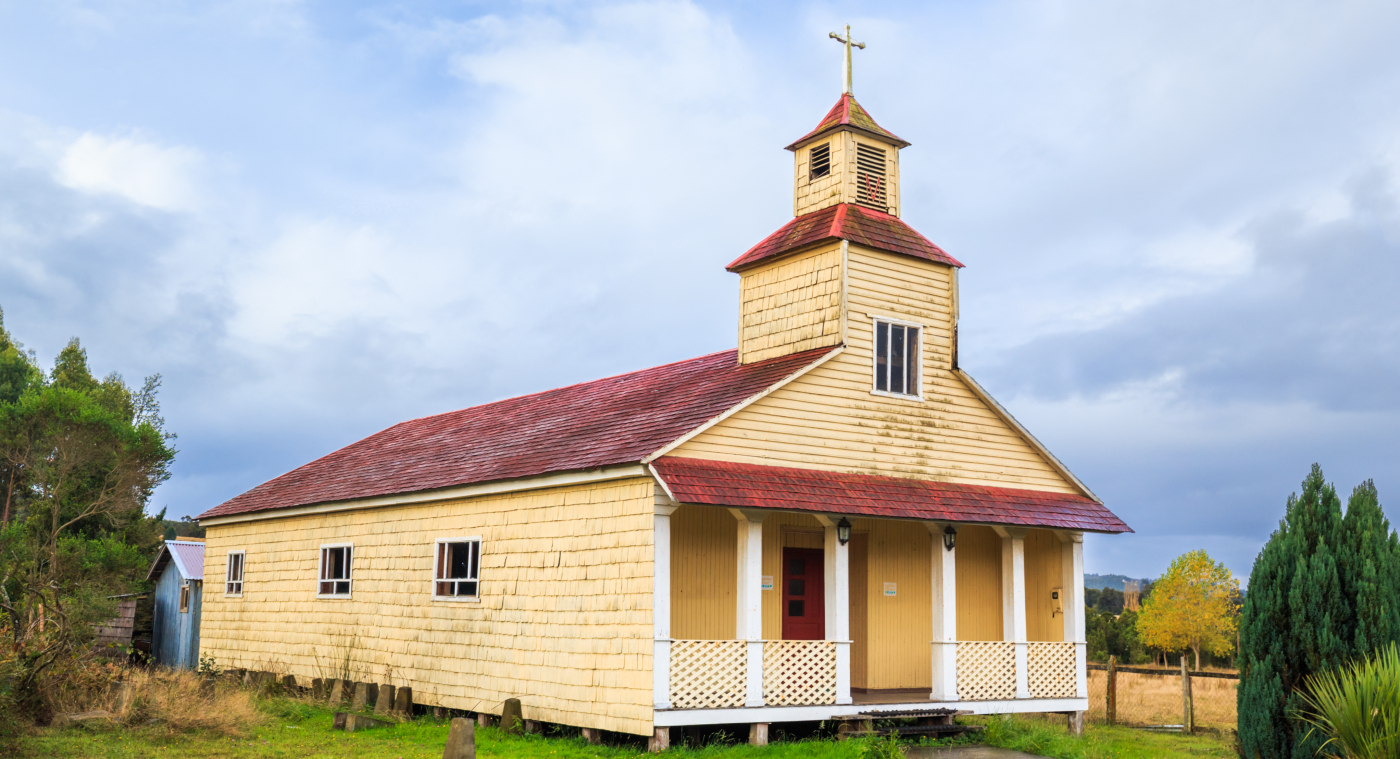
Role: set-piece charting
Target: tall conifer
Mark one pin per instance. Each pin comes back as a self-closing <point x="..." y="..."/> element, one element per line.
<point x="1290" y="622"/>
<point x="1372" y="575"/>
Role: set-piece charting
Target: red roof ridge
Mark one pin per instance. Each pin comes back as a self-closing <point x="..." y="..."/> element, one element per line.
<point x="845" y="221"/>
<point x="848" y="112"/>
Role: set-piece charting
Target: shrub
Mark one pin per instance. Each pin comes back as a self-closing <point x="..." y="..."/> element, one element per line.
<point x="1357" y="708"/>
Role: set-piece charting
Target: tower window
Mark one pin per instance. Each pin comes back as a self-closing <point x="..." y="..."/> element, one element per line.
<point x="896" y="358"/>
<point x="870" y="177"/>
<point x="820" y="160"/>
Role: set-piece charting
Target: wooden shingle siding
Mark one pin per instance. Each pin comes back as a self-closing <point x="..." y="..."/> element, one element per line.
<point x="564" y="622"/>
<point x="791" y="306"/>
<point x="829" y="419"/>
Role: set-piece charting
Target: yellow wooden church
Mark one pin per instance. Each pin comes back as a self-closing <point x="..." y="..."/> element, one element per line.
<point x="832" y="518"/>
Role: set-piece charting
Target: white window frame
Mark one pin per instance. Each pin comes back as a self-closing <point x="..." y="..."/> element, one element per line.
<point x="875" y="320"/>
<point x="228" y="573"/>
<point x="320" y="567"/>
<point x="185" y="597"/>
<point x="437" y="553"/>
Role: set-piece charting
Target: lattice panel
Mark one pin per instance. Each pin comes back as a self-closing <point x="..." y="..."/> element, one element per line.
<point x="986" y="670"/>
<point x="799" y="672"/>
<point x="1051" y="669"/>
<point x="708" y="674"/>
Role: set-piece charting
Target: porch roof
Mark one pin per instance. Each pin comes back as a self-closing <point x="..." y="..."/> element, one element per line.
<point x="725" y="483"/>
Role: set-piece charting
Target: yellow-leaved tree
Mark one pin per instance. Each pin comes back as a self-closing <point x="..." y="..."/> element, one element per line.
<point x="1195" y="606"/>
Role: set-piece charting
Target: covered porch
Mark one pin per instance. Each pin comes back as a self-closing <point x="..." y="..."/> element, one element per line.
<point x="770" y="615"/>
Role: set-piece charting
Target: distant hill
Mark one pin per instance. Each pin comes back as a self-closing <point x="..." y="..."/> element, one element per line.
<point x="1099" y="582"/>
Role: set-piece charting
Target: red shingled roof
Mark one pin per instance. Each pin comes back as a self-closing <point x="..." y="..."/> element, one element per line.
<point x="845" y="221"/>
<point x="847" y="112"/>
<point x="721" y="483"/>
<point x="618" y="420"/>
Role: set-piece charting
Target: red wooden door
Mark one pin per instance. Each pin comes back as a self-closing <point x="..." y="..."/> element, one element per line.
<point x="804" y="594"/>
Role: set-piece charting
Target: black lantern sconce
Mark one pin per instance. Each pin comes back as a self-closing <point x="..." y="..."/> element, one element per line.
<point x="950" y="537"/>
<point x="843" y="531"/>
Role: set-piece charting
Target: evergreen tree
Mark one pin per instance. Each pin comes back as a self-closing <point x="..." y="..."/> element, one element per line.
<point x="1296" y="621"/>
<point x="1372" y="575"/>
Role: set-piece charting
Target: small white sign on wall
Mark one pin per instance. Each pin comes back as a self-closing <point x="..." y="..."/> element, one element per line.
<point x="891" y="589"/>
<point x="767" y="582"/>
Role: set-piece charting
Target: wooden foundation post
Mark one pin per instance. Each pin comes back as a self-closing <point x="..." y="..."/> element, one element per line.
<point x="1076" y="723"/>
<point x="660" y="740"/>
<point x="593" y="735"/>
<point x="1111" y="708"/>
<point x="758" y="734"/>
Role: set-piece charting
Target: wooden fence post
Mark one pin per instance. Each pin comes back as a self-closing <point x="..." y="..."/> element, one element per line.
<point x="1186" y="726"/>
<point x="1112" y="706"/>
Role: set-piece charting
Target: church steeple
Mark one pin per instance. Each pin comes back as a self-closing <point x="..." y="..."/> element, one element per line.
<point x="848" y="158"/>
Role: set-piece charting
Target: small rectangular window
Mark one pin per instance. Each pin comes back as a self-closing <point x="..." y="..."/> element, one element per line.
<point x="819" y="160"/>
<point x="457" y="569"/>
<point x="335" y="571"/>
<point x="184" y="598"/>
<point x="233" y="576"/>
<point x="896" y="358"/>
<point x="870" y="178"/>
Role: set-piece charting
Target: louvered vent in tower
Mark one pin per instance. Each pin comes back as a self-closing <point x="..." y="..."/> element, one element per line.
<point x="870" y="178"/>
<point x="820" y="160"/>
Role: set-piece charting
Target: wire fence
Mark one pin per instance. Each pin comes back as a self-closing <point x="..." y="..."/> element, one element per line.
<point x="1155" y="698"/>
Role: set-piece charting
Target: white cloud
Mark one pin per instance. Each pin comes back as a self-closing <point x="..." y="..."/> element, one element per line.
<point x="142" y="172"/>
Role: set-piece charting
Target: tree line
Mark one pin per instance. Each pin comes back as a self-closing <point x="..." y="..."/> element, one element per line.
<point x="79" y="460"/>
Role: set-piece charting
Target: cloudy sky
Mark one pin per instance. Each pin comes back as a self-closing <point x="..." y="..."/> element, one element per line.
<point x="1181" y="220"/>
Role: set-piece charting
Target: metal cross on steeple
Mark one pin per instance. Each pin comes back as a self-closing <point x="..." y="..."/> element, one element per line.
<point x="846" y="72"/>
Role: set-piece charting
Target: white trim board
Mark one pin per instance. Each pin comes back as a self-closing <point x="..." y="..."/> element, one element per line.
<point x="540" y="482"/>
<point x="682" y="717"/>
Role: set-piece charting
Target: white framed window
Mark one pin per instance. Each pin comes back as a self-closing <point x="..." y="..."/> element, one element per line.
<point x="233" y="574"/>
<point x="898" y="348"/>
<point x="336" y="563"/>
<point x="457" y="569"/>
<point x="185" y="598"/>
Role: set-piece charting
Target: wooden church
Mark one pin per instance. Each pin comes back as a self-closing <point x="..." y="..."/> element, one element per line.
<point x="831" y="518"/>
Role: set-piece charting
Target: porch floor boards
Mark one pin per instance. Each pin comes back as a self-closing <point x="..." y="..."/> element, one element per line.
<point x="903" y="696"/>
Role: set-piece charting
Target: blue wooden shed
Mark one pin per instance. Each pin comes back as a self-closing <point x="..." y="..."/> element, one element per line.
<point x="178" y="573"/>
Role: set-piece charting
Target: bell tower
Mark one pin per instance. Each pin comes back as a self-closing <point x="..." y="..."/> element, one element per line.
<point x="848" y="158"/>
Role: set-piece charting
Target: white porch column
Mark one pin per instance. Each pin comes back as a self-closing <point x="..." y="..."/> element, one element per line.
<point x="837" y="560"/>
<point x="1072" y="584"/>
<point x="1013" y="600"/>
<point x="945" y="617"/>
<point x="749" y="616"/>
<point x="661" y="602"/>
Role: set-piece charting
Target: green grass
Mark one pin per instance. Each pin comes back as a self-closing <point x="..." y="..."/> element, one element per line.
<point x="301" y="731"/>
<point x="1050" y="737"/>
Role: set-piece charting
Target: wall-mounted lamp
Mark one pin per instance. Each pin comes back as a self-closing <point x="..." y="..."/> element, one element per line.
<point x="950" y="537"/>
<point x="843" y="531"/>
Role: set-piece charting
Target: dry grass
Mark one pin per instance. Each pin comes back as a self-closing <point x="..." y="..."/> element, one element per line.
<point x="1156" y="699"/>
<point x="175" y="699"/>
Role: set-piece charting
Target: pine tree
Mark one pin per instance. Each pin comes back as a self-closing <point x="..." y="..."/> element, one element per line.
<point x="1296" y="620"/>
<point x="1372" y="577"/>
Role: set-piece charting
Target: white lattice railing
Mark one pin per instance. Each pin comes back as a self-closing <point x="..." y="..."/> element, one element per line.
<point x="708" y="674"/>
<point x="1051" y="669"/>
<point x="799" y="672"/>
<point x="986" y="670"/>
